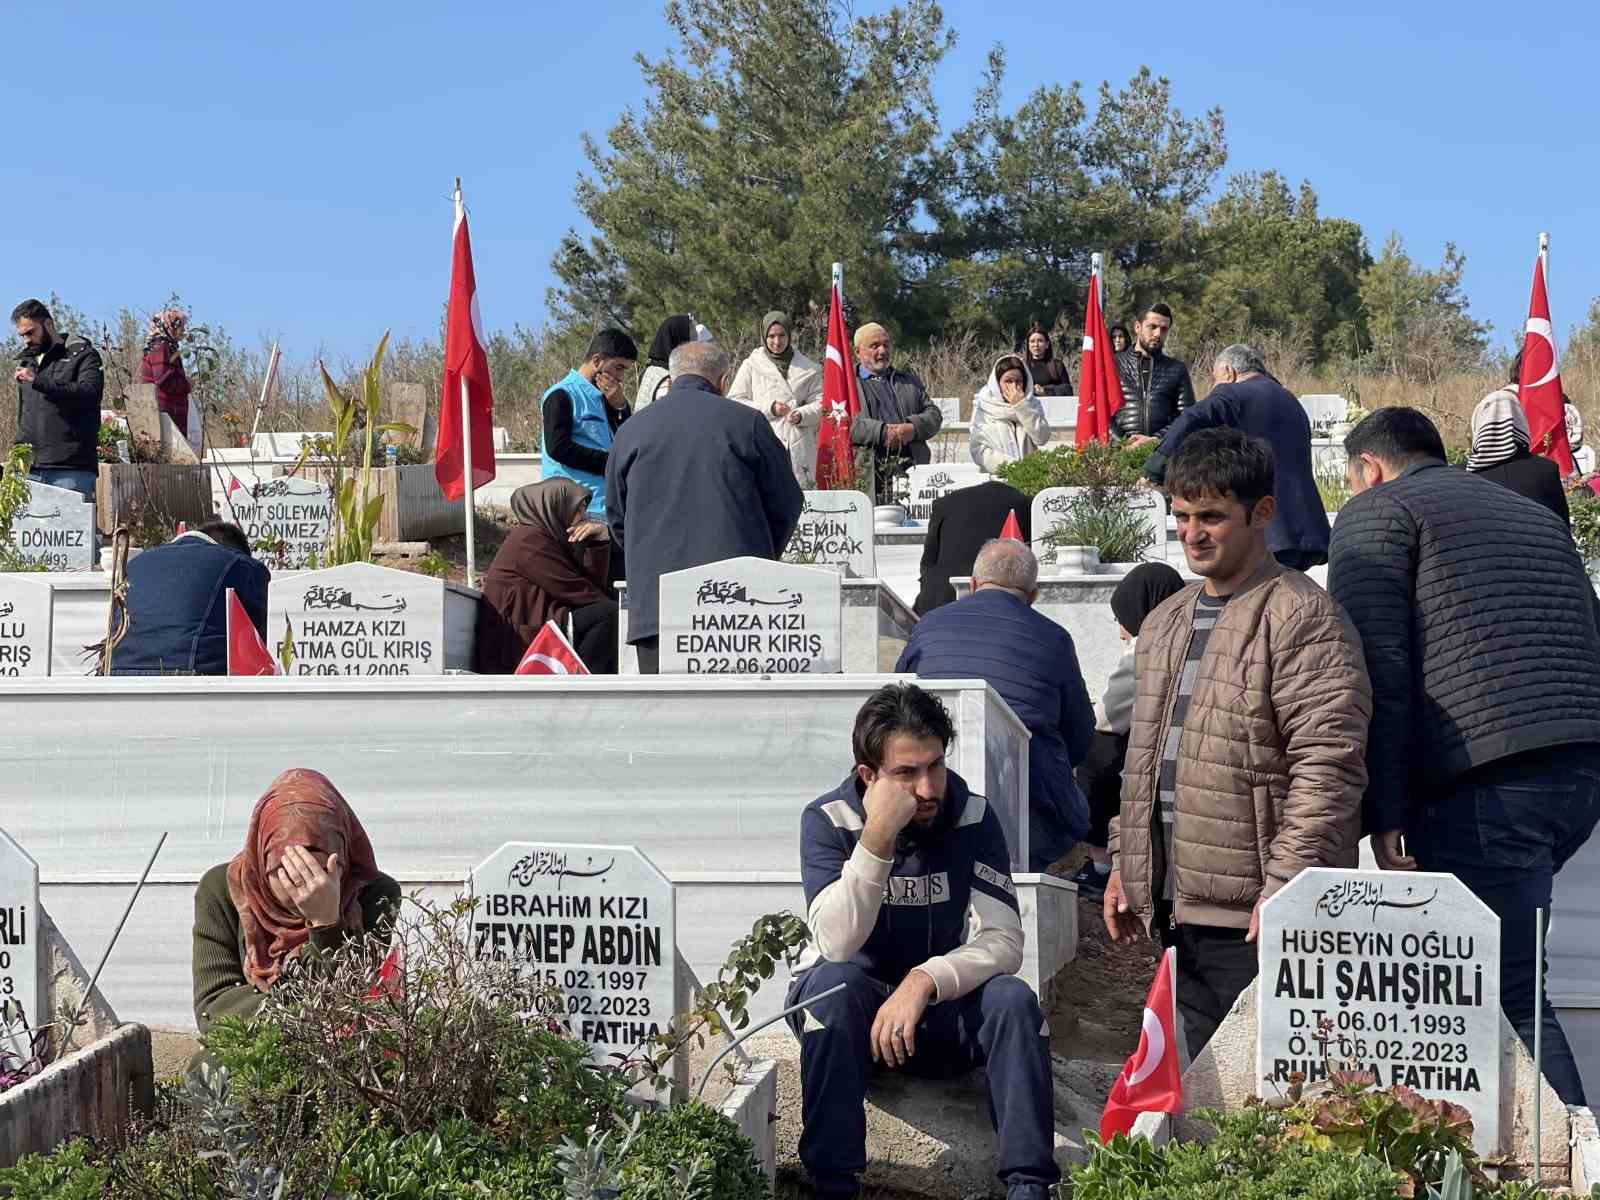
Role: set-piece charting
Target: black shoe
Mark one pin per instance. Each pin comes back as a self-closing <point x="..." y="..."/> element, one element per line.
<point x="1091" y="883"/>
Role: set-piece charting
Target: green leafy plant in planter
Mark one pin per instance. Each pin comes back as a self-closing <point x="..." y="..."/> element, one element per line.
<point x="1104" y="519"/>
<point x="1096" y="465"/>
<point x="1584" y="507"/>
<point x="1333" y="487"/>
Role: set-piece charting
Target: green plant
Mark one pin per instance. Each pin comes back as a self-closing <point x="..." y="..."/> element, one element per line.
<point x="63" y="1174"/>
<point x="14" y="496"/>
<point x="1096" y="465"/>
<point x="435" y="564"/>
<point x="252" y="1052"/>
<point x="691" y="1151"/>
<point x="1333" y="487"/>
<point x="1584" y="507"/>
<point x="1107" y="522"/>
<point x="225" y="1123"/>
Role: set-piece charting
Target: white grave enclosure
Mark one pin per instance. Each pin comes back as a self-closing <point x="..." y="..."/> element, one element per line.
<point x="751" y="616"/>
<point x="359" y="619"/>
<point x="596" y="924"/>
<point x="292" y="516"/>
<point x="932" y="480"/>
<point x="24" y="626"/>
<point x="19" y="946"/>
<point x="1053" y="505"/>
<point x="1405" y="966"/>
<point x="56" y="529"/>
<point x="835" y="529"/>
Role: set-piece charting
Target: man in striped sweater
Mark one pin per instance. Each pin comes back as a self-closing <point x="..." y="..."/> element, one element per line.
<point x="912" y="908"/>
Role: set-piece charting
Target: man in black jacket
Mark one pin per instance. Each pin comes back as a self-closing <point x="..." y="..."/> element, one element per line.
<point x="59" y="385"/>
<point x="1481" y="637"/>
<point x="961" y="522"/>
<point x="694" y="479"/>
<point x="896" y="417"/>
<point x="1155" y="388"/>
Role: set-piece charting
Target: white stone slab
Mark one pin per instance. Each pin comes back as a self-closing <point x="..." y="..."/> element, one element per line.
<point x="751" y="616"/>
<point x="281" y="445"/>
<point x="1051" y="507"/>
<point x="1324" y="409"/>
<point x="359" y="619"/>
<point x="288" y="514"/>
<point x="1060" y="410"/>
<point x="1405" y="965"/>
<point x="19" y="945"/>
<point x="599" y="923"/>
<point x="24" y="626"/>
<point x="56" y="529"/>
<point x="835" y="529"/>
<point x="949" y="408"/>
<point x="932" y="480"/>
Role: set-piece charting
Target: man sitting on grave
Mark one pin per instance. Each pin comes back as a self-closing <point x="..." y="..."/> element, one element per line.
<point x="932" y="991"/>
<point x="178" y="602"/>
<point x="1246" y="755"/>
<point x="305" y="877"/>
<point x="995" y="635"/>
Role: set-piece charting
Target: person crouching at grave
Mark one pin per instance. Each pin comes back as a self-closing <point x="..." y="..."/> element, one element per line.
<point x="959" y="524"/>
<point x="1008" y="421"/>
<point x="162" y="365"/>
<point x="59" y="386"/>
<point x="306" y="877"/>
<point x="1100" y="774"/>
<point x="995" y="635"/>
<point x="1246" y="755"/>
<point x="784" y="386"/>
<point x="178" y="602"/>
<point x="912" y="909"/>
<point x="551" y="567"/>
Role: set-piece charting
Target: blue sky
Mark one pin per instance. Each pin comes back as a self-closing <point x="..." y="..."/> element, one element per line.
<point x="287" y="168"/>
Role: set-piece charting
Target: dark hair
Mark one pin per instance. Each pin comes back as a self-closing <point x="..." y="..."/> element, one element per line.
<point x="1398" y="436"/>
<point x="1222" y="462"/>
<point x="1036" y="327"/>
<point x="1159" y="308"/>
<point x="1010" y="362"/>
<point x="612" y="343"/>
<point x="30" y="310"/>
<point x="1516" y="366"/>
<point x="898" y="708"/>
<point x="225" y="533"/>
<point x="1123" y="330"/>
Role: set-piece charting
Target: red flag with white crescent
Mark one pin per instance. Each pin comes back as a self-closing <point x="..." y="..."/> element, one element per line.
<point x="841" y="403"/>
<point x="1151" y="1080"/>
<point x="1099" y="388"/>
<point x="247" y="652"/>
<point x="550" y="654"/>
<point x="464" y="360"/>
<point x="1539" y="381"/>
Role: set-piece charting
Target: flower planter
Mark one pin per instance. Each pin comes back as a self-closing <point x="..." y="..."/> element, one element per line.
<point x="93" y="1093"/>
<point x="1077" y="560"/>
<point x="414" y="509"/>
<point x="889" y="516"/>
<point x="178" y="492"/>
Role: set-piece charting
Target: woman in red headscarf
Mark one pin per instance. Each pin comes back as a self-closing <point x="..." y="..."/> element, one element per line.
<point x="306" y="875"/>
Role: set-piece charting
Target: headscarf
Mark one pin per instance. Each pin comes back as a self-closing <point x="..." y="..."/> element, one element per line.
<point x="1140" y="591"/>
<point x="993" y="401"/>
<point x="1499" y="430"/>
<point x="781" y="361"/>
<point x="670" y="334"/>
<point x="1574" y="425"/>
<point x="550" y="505"/>
<point x="300" y="807"/>
<point x="168" y="323"/>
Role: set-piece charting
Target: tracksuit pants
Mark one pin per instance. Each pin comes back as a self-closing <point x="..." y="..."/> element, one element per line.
<point x="998" y="1026"/>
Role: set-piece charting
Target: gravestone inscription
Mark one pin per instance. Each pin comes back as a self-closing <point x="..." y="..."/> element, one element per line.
<point x="751" y="616"/>
<point x="358" y="619"/>
<point x="56" y="529"/>
<point x="24" y="626"/>
<point x="835" y="529"/>
<point x="20" y="993"/>
<point x="286" y="518"/>
<point x="1396" y="973"/>
<point x="932" y="480"/>
<point x="597" y="924"/>
<point x="1053" y="509"/>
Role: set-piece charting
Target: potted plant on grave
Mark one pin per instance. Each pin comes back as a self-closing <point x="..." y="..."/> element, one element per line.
<point x="1103" y="520"/>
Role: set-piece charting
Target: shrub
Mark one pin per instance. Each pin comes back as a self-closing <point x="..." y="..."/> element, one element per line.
<point x="691" y="1138"/>
<point x="63" y="1174"/>
<point x="1106" y="522"/>
<point x="1584" y="506"/>
<point x="1096" y="465"/>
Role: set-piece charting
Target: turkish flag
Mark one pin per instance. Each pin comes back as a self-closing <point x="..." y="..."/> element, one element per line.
<point x="1012" y="529"/>
<point x="1150" y="1081"/>
<point x="1539" y="381"/>
<point x="247" y="653"/>
<point x="391" y="978"/>
<point x="841" y="403"/>
<point x="1099" y="388"/>
<point x="550" y="654"/>
<point x="464" y="362"/>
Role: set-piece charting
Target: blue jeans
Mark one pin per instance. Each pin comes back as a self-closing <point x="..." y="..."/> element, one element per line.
<point x="1504" y="831"/>
<point x="70" y="478"/>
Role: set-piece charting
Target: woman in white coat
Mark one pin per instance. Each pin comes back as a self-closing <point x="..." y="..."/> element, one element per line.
<point x="1008" y="422"/>
<point x="786" y="387"/>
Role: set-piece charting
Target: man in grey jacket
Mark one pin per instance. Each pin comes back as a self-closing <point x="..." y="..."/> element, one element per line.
<point x="694" y="479"/>
<point x="896" y="417"/>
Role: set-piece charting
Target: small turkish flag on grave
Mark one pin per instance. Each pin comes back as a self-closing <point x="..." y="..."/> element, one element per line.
<point x="1012" y="529"/>
<point x="181" y="529"/>
<point x="551" y="654"/>
<point x="1539" y="381"/>
<point x="1150" y="1081"/>
<point x="247" y="653"/>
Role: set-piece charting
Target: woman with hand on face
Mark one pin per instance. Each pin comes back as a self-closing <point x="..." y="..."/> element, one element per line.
<point x="785" y="387"/>
<point x="305" y="878"/>
<point x="1008" y="422"/>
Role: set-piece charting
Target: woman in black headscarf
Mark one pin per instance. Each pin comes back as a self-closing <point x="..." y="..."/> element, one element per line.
<point x="1100" y="775"/>
<point x="1050" y="376"/>
<point x="672" y="333"/>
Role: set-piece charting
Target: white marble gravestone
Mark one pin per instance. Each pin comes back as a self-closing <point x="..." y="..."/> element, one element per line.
<point x="1324" y="409"/>
<point x="359" y="619"/>
<point x="949" y="410"/>
<point x="932" y="480"/>
<point x="1052" y="505"/>
<point x="835" y="529"/>
<point x="598" y="924"/>
<point x="19" y="947"/>
<point x="286" y="512"/>
<point x="751" y="616"/>
<point x="1405" y="966"/>
<point x="56" y="529"/>
<point x="24" y="626"/>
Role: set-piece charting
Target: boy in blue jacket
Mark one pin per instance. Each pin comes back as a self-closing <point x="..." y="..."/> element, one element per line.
<point x="911" y="906"/>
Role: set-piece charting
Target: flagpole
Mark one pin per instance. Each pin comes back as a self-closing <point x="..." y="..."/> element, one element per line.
<point x="466" y="460"/>
<point x="1544" y="259"/>
<point x="1095" y="264"/>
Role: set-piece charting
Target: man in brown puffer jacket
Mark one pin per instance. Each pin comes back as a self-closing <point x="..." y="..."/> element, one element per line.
<point x="1246" y="759"/>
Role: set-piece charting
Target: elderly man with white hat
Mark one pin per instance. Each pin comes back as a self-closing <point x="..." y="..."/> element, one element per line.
<point x="896" y="418"/>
